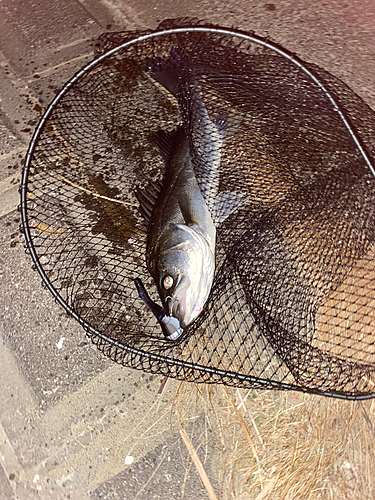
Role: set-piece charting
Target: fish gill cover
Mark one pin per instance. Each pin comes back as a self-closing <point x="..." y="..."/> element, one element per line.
<point x="293" y="295"/>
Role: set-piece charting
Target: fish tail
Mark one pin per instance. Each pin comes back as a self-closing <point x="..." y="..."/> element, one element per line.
<point x="168" y="72"/>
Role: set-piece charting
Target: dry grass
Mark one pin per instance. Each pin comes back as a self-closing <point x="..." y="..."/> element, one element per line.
<point x="283" y="445"/>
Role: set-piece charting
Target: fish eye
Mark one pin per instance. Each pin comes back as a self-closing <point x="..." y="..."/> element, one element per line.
<point x="167" y="282"/>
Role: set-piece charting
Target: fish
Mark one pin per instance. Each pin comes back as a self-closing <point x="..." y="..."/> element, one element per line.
<point x="181" y="213"/>
<point x="181" y="236"/>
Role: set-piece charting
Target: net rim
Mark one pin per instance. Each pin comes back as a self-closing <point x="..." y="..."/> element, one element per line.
<point x="30" y="248"/>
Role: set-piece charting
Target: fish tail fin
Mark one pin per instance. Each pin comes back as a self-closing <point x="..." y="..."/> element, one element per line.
<point x="168" y="71"/>
<point x="168" y="78"/>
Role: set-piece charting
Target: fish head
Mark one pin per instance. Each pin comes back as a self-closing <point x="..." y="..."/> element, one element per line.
<point x="184" y="273"/>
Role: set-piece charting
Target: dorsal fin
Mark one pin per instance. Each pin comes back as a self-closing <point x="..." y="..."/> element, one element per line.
<point x="166" y="142"/>
<point x="147" y="198"/>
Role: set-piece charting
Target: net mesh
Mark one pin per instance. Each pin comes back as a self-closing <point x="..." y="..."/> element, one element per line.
<point x="292" y="302"/>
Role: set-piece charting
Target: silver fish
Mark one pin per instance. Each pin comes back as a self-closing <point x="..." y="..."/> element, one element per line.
<point x="181" y="238"/>
<point x="180" y="251"/>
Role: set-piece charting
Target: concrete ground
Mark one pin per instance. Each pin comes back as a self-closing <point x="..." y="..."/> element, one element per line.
<point x="73" y="424"/>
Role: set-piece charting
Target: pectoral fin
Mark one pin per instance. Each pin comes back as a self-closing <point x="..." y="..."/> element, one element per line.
<point x="226" y="203"/>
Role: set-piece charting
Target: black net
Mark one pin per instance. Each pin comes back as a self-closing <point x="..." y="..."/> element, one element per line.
<point x="292" y="301"/>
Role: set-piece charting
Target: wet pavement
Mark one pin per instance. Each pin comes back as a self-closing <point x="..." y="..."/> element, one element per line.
<point x="72" y="423"/>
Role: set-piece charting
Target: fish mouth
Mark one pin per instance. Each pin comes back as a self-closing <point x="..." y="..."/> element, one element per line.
<point x="178" y="309"/>
<point x="175" y="305"/>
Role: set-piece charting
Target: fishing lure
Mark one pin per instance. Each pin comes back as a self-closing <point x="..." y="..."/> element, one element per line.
<point x="170" y="325"/>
